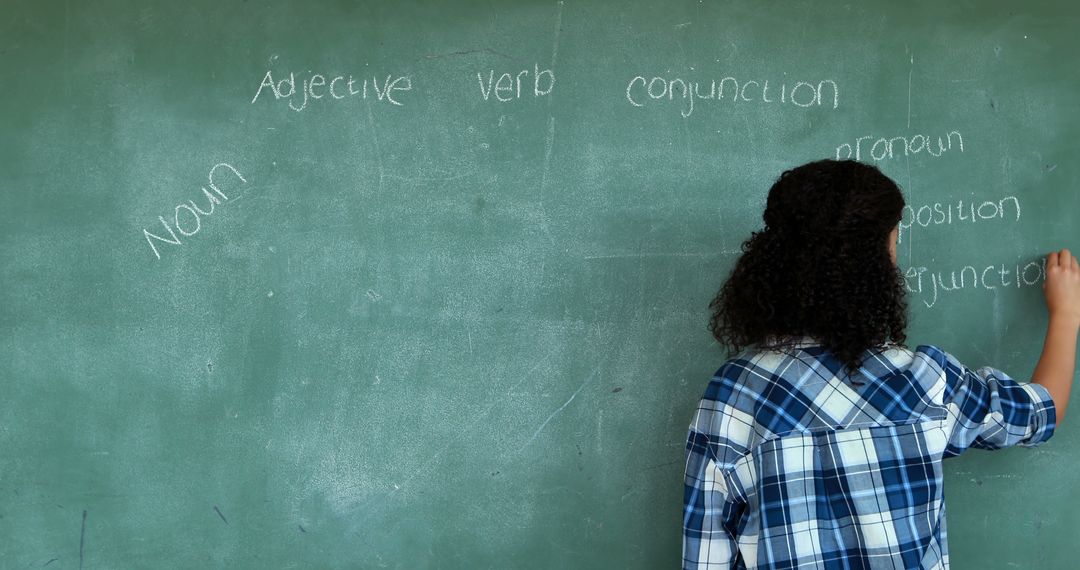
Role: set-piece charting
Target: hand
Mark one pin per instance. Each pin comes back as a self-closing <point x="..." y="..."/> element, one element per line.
<point x="1062" y="286"/>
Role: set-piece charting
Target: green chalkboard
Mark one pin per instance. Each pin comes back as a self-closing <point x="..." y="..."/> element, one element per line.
<point x="398" y="285"/>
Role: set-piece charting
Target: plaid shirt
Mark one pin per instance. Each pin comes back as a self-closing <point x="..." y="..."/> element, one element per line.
<point x="791" y="463"/>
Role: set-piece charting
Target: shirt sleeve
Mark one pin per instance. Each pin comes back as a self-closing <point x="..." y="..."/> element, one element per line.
<point x="710" y="512"/>
<point x="989" y="410"/>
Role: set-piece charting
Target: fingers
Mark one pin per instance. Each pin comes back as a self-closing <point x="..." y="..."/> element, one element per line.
<point x="1063" y="260"/>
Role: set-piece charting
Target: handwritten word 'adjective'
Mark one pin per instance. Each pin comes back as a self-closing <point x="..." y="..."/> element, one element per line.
<point x="511" y="85"/>
<point x="884" y="148"/>
<point x="938" y="214"/>
<point x="989" y="277"/>
<point x="640" y="90"/>
<point x="192" y="218"/>
<point x="318" y="87"/>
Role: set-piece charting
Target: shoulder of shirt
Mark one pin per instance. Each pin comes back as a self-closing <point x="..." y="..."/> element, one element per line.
<point x="744" y="379"/>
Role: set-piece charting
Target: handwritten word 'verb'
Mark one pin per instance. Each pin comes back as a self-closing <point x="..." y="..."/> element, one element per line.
<point x="187" y="217"/>
<point x="320" y="86"/>
<point x="508" y="87"/>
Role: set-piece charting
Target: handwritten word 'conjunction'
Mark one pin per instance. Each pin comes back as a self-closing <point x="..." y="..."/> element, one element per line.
<point x="1007" y="208"/>
<point x="187" y="217"/>
<point x="508" y="86"/>
<point x="921" y="280"/>
<point x="888" y="148"/>
<point x="320" y="86"/>
<point x="641" y="91"/>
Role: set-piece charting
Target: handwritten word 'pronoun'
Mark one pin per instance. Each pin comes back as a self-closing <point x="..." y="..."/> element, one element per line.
<point x="641" y="91"/>
<point x="508" y="86"/>
<point x="338" y="87"/>
<point x="187" y="217"/>
<point x="886" y="148"/>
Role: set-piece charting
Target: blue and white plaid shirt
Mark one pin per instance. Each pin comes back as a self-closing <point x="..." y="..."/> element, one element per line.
<point x="793" y="464"/>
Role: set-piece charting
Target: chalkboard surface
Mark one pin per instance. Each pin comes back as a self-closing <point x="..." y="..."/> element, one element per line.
<point x="398" y="285"/>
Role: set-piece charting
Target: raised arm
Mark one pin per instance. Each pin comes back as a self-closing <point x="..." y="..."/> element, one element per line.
<point x="1058" y="361"/>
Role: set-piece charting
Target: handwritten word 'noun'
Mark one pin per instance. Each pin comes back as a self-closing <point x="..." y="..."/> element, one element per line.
<point x="884" y="148"/>
<point x="187" y="217"/>
<point x="338" y="87"/>
<point x="989" y="277"/>
<point x="508" y="87"/>
<point x="802" y="94"/>
<point x="939" y="214"/>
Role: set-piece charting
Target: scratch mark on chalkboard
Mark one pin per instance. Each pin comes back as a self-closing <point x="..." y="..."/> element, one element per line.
<point x="558" y="31"/>
<point x="911" y="71"/>
<point x="658" y="466"/>
<point x="67" y="61"/>
<point x="467" y="52"/>
<point x="663" y="254"/>
<point x="548" y="145"/>
<point x="82" y="539"/>
<point x="523" y="378"/>
<point x="682" y="25"/>
<point x="469" y="334"/>
<point x="302" y="528"/>
<point x="561" y="408"/>
<point x="51" y="560"/>
<point x="1050" y="167"/>
<point x="429" y="179"/>
<point x="375" y="140"/>
<point x="600" y="432"/>
<point x="218" y="511"/>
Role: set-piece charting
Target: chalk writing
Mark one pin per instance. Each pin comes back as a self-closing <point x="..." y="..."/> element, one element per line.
<point x="508" y="87"/>
<point x="187" y="217"/>
<point x="337" y="87"/>
<point x="883" y="148"/>
<point x="641" y="91"/>
<point x="1007" y="208"/>
<point x="922" y="281"/>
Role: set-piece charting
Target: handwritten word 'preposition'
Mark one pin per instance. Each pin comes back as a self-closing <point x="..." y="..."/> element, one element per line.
<point x="921" y="280"/>
<point x="508" y="87"/>
<point x="802" y="94"/>
<point x="887" y="148"/>
<point x="943" y="214"/>
<point x="338" y="87"/>
<point x="187" y="218"/>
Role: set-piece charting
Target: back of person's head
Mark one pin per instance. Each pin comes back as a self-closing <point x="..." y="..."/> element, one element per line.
<point x="820" y="267"/>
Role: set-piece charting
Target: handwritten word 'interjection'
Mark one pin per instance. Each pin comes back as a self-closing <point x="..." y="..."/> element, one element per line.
<point x="190" y="214"/>
<point x="336" y="87"/>
<point x="641" y="91"/>
<point x="921" y="280"/>
<point x="508" y="86"/>
<point x="887" y="148"/>
<point x="1007" y="208"/>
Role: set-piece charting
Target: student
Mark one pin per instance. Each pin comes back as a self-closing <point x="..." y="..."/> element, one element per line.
<point x="819" y="445"/>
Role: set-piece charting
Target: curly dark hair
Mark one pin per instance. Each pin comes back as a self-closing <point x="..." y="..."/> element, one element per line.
<point x="820" y="268"/>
